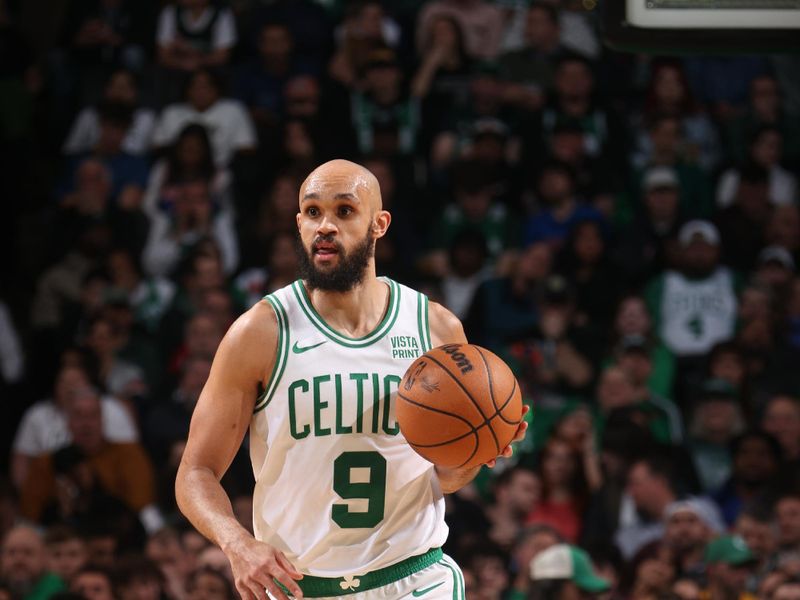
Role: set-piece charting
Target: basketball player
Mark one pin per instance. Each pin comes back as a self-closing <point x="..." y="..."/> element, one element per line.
<point x="342" y="504"/>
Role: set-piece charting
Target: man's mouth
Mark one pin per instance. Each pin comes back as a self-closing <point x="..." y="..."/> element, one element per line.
<point x="325" y="249"/>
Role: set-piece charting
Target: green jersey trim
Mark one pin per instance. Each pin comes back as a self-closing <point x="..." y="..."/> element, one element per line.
<point x="376" y="334"/>
<point x="283" y="353"/>
<point x="422" y="322"/>
<point x="319" y="587"/>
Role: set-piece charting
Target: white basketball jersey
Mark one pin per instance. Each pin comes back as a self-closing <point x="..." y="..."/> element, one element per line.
<point x="338" y="489"/>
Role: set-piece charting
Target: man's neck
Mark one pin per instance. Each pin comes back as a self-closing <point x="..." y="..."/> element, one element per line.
<point x="354" y="313"/>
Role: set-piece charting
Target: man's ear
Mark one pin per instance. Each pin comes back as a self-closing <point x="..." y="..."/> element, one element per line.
<point x="380" y="223"/>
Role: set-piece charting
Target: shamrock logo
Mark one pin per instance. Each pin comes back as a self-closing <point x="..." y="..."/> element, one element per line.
<point x="350" y="582"/>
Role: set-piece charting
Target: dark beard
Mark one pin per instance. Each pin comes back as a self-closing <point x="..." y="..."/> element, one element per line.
<point x="342" y="278"/>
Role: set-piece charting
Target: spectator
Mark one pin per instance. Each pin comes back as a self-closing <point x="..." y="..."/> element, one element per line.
<point x="560" y="209"/>
<point x="633" y="319"/>
<point x="746" y="221"/>
<point x="647" y="245"/>
<point x="23" y="565"/>
<point x="787" y="590"/>
<point x="91" y="474"/>
<point x="668" y="150"/>
<point x="168" y="422"/>
<point x="756" y="460"/>
<point x="787" y="512"/>
<point x="716" y="421"/>
<point x="193" y="218"/>
<point x="766" y="152"/>
<point x="561" y="572"/>
<point x="555" y="359"/>
<point x="386" y="118"/>
<point x="765" y="108"/>
<point x="442" y="79"/>
<point x="260" y="83"/>
<point x="757" y="527"/>
<point x="67" y="553"/>
<point x="209" y="584"/>
<point x="281" y="270"/>
<point x="481" y="22"/>
<point x="668" y="94"/>
<point x="138" y="578"/>
<point x="651" y="572"/>
<point x="231" y="129"/>
<point x="530" y="70"/>
<point x="190" y="157"/>
<point x="166" y="551"/>
<point x="44" y="426"/>
<point x="651" y="490"/>
<point x="634" y="358"/>
<point x="128" y="171"/>
<point x="696" y="304"/>
<point x="781" y="419"/>
<point x="123" y="378"/>
<point x="122" y="90"/>
<point x="504" y="308"/>
<point x="194" y="34"/>
<point x="689" y="526"/>
<point x="93" y="583"/>
<point x="516" y="491"/>
<point x="531" y="541"/>
<point x="467" y="270"/>
<point x="729" y="562"/>
<point x="586" y="264"/>
<point x="565" y="490"/>
<point x="365" y="28"/>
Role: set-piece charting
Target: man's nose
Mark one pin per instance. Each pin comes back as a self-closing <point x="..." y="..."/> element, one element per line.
<point x="326" y="226"/>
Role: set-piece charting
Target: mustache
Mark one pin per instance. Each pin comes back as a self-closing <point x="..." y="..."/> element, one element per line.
<point x="327" y="239"/>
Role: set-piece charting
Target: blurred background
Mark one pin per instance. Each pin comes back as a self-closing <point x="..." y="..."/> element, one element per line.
<point x="623" y="229"/>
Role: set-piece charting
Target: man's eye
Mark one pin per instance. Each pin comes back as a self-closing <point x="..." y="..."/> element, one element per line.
<point x="345" y="210"/>
<point x="312" y="212"/>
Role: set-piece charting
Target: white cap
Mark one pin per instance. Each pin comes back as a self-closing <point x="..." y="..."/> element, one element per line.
<point x="704" y="508"/>
<point x="660" y="177"/>
<point x="698" y="227"/>
<point x="777" y="254"/>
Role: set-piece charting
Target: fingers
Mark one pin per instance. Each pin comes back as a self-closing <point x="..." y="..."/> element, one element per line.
<point x="525" y="409"/>
<point x="288" y="567"/>
<point x="491" y="463"/>
<point x="275" y="591"/>
<point x="287" y="581"/>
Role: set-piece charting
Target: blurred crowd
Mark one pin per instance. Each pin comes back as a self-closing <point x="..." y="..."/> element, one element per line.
<point x="623" y="229"/>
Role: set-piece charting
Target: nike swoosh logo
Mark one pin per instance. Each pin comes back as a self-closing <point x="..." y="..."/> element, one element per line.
<point x="298" y="350"/>
<point x="418" y="593"/>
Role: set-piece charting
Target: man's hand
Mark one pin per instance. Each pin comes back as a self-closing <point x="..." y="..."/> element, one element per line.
<point x="518" y="437"/>
<point x="255" y="565"/>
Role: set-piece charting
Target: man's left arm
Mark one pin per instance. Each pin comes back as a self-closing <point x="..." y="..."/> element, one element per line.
<point x="447" y="329"/>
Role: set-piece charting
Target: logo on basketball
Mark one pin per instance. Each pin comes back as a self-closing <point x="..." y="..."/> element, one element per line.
<point x="461" y="360"/>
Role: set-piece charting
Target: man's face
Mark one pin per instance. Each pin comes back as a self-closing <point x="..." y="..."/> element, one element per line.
<point x="540" y="31"/>
<point x="573" y="80"/>
<point x="754" y="462"/>
<point x="730" y="578"/>
<point x="637" y="365"/>
<point x="67" y="557"/>
<point x="615" y="390"/>
<point x="782" y="420"/>
<point x="523" y="491"/>
<point x="700" y="257"/>
<point x="202" y="92"/>
<point x="336" y="224"/>
<point x="686" y="531"/>
<point x="662" y="203"/>
<point x="275" y="43"/>
<point x="759" y="537"/>
<point x="788" y="513"/>
<point x="643" y="487"/>
<point x="93" y="586"/>
<point x="23" y="558"/>
<point x="85" y="420"/>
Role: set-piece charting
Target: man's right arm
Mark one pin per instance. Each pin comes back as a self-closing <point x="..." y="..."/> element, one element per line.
<point x="220" y="421"/>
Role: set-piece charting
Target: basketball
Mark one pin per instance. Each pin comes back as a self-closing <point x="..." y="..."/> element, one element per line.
<point x="459" y="405"/>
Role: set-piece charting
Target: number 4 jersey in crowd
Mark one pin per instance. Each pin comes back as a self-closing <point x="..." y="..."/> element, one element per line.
<point x="338" y="489"/>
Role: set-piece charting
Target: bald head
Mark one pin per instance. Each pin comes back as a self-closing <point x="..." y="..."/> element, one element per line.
<point x="342" y="178"/>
